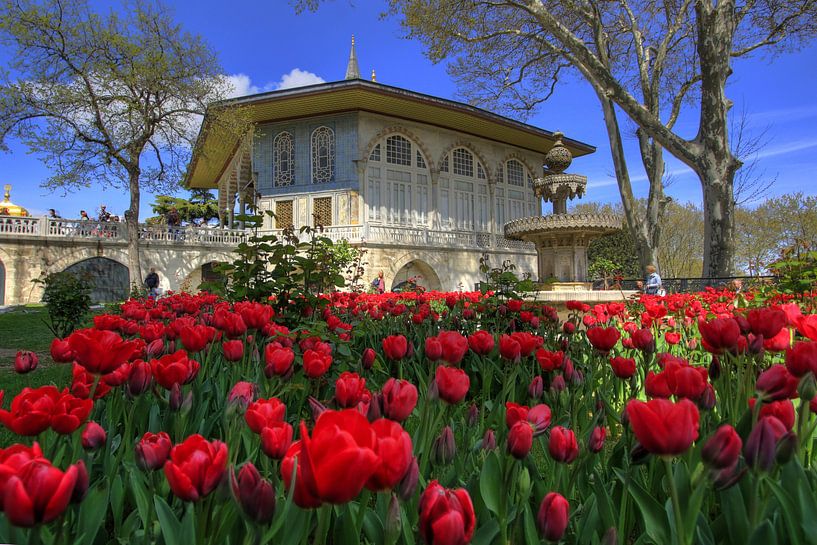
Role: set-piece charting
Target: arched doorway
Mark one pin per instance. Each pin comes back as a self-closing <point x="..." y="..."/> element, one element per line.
<point x="109" y="278"/>
<point x="2" y="284"/>
<point x="420" y="272"/>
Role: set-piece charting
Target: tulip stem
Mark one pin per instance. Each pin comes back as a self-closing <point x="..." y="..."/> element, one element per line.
<point x="324" y="518"/>
<point x="676" y="504"/>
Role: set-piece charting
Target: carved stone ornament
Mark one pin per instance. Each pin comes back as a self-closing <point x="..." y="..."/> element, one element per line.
<point x="559" y="157"/>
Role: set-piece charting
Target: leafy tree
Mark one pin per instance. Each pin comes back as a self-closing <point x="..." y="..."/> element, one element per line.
<point x="647" y="59"/>
<point x="680" y="251"/>
<point x="106" y="98"/>
<point x="618" y="248"/>
<point x="201" y="207"/>
<point x="67" y="298"/>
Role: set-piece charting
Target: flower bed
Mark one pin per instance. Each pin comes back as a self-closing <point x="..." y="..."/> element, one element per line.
<point x="436" y="418"/>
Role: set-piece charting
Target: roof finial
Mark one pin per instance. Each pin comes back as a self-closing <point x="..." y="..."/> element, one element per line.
<point x="352" y="70"/>
<point x="374" y="76"/>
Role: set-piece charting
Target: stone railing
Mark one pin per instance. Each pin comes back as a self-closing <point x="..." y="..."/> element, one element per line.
<point x="114" y="231"/>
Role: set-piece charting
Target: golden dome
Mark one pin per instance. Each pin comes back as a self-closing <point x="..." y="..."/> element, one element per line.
<point x="8" y="208"/>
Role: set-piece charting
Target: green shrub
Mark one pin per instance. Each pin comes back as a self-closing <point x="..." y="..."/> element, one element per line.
<point x="68" y="300"/>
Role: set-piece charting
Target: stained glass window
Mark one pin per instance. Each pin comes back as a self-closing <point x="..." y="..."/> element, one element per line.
<point x="323" y="155"/>
<point x="283" y="160"/>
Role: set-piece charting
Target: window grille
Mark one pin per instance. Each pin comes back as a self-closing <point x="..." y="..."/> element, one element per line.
<point x="398" y="150"/>
<point x="463" y="162"/>
<point x="444" y="165"/>
<point x="323" y="155"/>
<point x="283" y="163"/>
<point x="283" y="214"/>
<point x="375" y="154"/>
<point x="516" y="173"/>
<point x="322" y="211"/>
<point x="421" y="163"/>
<point x="480" y="172"/>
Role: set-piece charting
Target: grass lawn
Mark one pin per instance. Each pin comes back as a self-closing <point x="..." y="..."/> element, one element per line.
<point x="26" y="329"/>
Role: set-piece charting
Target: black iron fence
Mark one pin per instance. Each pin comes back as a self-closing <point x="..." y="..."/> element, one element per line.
<point x="685" y="285"/>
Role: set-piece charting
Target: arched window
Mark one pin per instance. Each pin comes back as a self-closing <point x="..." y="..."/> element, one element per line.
<point x="521" y="201"/>
<point x="283" y="160"/>
<point x="464" y="201"/>
<point x="398" y="188"/>
<point x="323" y="155"/>
<point x="516" y="173"/>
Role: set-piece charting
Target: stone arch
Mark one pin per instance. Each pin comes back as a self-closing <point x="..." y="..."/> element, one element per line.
<point x="489" y="174"/>
<point x="397" y="129"/>
<point x="83" y="252"/>
<point x="518" y="157"/>
<point x="109" y="277"/>
<point x="191" y="273"/>
<point x="429" y="259"/>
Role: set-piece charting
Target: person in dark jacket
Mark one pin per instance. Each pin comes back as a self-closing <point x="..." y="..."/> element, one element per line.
<point x="152" y="283"/>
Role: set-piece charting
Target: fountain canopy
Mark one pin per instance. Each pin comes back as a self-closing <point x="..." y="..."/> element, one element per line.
<point x="561" y="239"/>
<point x="8" y="208"/>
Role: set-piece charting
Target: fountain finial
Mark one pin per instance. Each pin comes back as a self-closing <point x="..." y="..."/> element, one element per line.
<point x="559" y="157"/>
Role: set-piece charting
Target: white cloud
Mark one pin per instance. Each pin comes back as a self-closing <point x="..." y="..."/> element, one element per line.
<point x="787" y="147"/>
<point x="783" y="115"/>
<point x="242" y="84"/>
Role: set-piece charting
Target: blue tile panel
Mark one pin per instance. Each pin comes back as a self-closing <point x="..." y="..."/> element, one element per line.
<point x="345" y="176"/>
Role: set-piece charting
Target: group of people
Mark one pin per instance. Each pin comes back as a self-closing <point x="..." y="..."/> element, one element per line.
<point x="104" y="216"/>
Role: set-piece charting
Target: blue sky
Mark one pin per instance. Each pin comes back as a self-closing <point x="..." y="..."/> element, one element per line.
<point x="263" y="45"/>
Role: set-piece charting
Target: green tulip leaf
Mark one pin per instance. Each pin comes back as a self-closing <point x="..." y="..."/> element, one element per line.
<point x="531" y="534"/>
<point x="604" y="503"/>
<point x="733" y="506"/>
<point x="655" y="519"/>
<point x="486" y="533"/>
<point x="764" y="535"/>
<point x="490" y="482"/>
<point x="789" y="511"/>
<point x="92" y="513"/>
<point x="169" y="523"/>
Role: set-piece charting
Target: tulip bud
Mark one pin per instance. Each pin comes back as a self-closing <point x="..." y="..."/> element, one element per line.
<point x="93" y="436"/>
<point x="140" y="378"/>
<point x="610" y="537"/>
<point x="276" y="439"/>
<point x="520" y="439"/>
<point x="83" y="481"/>
<point x="536" y="388"/>
<point x="553" y="516"/>
<point x="176" y="398"/>
<point x="367" y="359"/>
<point x="489" y="440"/>
<point x="393" y="525"/>
<point x="715" y="368"/>
<point x="557" y="385"/>
<point x="444" y="448"/>
<point x="152" y="451"/>
<point x="807" y="388"/>
<point x="254" y="494"/>
<point x="727" y="477"/>
<point x="578" y="378"/>
<point x="473" y="415"/>
<point x="707" y="400"/>
<point x="240" y="397"/>
<point x="761" y="446"/>
<point x="787" y="447"/>
<point x="317" y="408"/>
<point x="433" y="391"/>
<point x="408" y="483"/>
<point x="722" y="449"/>
<point x="569" y="328"/>
<point x="756" y="344"/>
<point x="25" y="361"/>
<point x="597" y="437"/>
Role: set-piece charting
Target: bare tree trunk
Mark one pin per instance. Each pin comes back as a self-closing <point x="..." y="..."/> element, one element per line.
<point x="132" y="222"/>
<point x="719" y="228"/>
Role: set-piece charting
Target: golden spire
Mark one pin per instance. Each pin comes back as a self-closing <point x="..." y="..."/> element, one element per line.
<point x="8" y="208"/>
<point x="374" y="76"/>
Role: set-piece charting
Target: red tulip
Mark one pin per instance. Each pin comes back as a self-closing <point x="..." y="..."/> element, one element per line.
<point x="174" y="368"/>
<point x="719" y="334"/>
<point x="446" y="516"/>
<point x="395" y="347"/>
<point x="509" y="348"/>
<point x="276" y="438"/>
<point x="520" y="439"/>
<point x="807" y="325"/>
<point x="776" y="383"/>
<point x="253" y="493"/>
<point x="662" y="427"/>
<point x="722" y="449"/>
<point x="38" y="493"/>
<point x="549" y="361"/>
<point x="597" y="437"/>
<point x="452" y="384"/>
<point x="528" y="342"/>
<point x="153" y="450"/>
<point x="140" y="377"/>
<point x="536" y="387"/>
<point x="195" y="468"/>
<point x="562" y="445"/>
<point x="12" y="459"/>
<point x="783" y="410"/>
<point x="672" y="337"/>
<point x="802" y="358"/>
<point x="433" y="349"/>
<point x="643" y="340"/>
<point x="367" y="359"/>
<point x="101" y="352"/>
<point x="264" y="412"/>
<point x="31" y="410"/>
<point x="603" y="339"/>
<point x="454" y="346"/>
<point x="255" y="315"/>
<point x="766" y="321"/>
<point x="761" y="446"/>
<point x="656" y="385"/>
<point x="93" y="436"/>
<point x="686" y="381"/>
<point x="349" y="389"/>
<point x="394" y="449"/>
<point x="481" y="342"/>
<point x="303" y="496"/>
<point x="25" y="361"/>
<point x="278" y="360"/>
<point x="316" y="364"/>
<point x="152" y="331"/>
<point x="230" y="323"/>
<point x="623" y="367"/>
<point x="195" y="338"/>
<point x="339" y="457"/>
<point x="399" y="399"/>
<point x="553" y="516"/>
<point x="242" y="394"/>
<point x="233" y="350"/>
<point x="61" y="351"/>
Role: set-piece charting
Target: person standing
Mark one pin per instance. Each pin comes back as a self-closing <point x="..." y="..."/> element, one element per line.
<point x="379" y="283"/>
<point x="152" y="283"/>
<point x="653" y="284"/>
